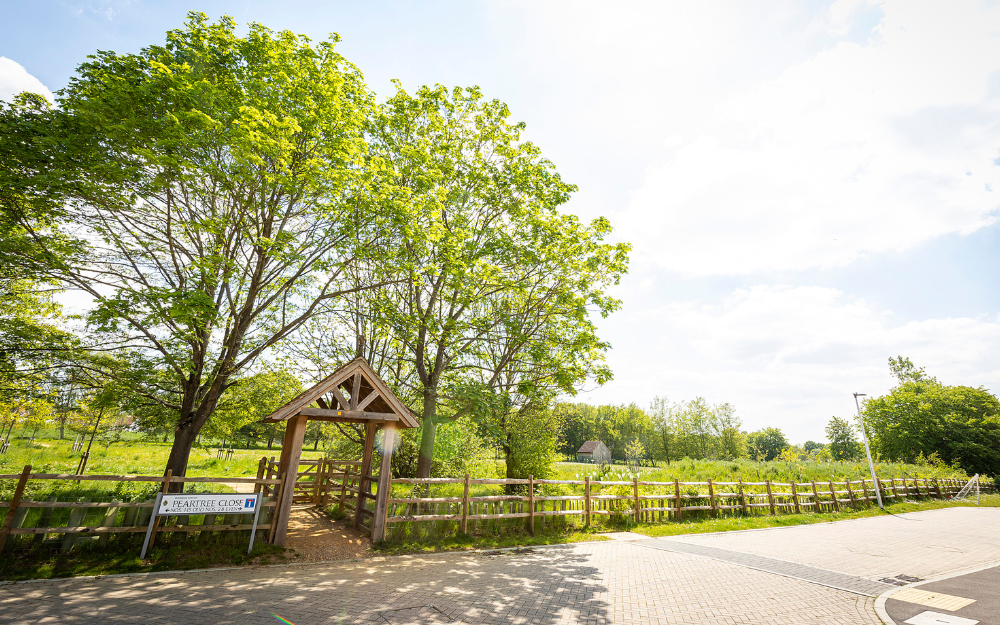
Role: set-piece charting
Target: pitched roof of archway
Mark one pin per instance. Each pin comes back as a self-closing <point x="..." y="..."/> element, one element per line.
<point x="353" y="393"/>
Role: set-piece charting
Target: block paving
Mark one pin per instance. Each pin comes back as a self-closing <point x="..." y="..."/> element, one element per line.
<point x="619" y="582"/>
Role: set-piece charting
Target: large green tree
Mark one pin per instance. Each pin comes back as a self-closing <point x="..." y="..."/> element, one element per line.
<point x="218" y="183"/>
<point x="843" y="439"/>
<point x="482" y="243"/>
<point x="920" y="415"/>
<point x="766" y="444"/>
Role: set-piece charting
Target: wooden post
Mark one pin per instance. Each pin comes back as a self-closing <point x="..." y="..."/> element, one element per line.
<point x="795" y="499"/>
<point x="833" y="493"/>
<point x="531" y="504"/>
<point x="465" y="506"/>
<point x="895" y="493"/>
<point x="937" y="487"/>
<point x="638" y="506"/>
<point x="677" y="496"/>
<point x="156" y="522"/>
<point x="384" y="482"/>
<point x="8" y="521"/>
<point x="260" y="474"/>
<point x="343" y="485"/>
<point x="743" y="499"/>
<point x="770" y="497"/>
<point x="916" y="486"/>
<point x="850" y="493"/>
<point x="288" y="467"/>
<point x="364" y="481"/>
<point x="273" y="534"/>
<point x="816" y="507"/>
<point x="864" y="488"/>
<point x="906" y="489"/>
<point x="316" y="477"/>
<point x="711" y="498"/>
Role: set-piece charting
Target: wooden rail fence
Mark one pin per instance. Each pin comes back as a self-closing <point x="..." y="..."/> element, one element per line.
<point x="90" y="520"/>
<point x="645" y="501"/>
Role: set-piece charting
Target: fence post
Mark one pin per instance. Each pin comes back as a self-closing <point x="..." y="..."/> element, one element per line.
<point x="795" y="498"/>
<point x="260" y="474"/>
<point x="156" y="521"/>
<point x="465" y="506"/>
<point x="864" y="488"/>
<point x="850" y="493"/>
<point x="711" y="497"/>
<point x="816" y="507"/>
<point x="343" y="486"/>
<point x="906" y="489"/>
<point x="937" y="487"/>
<point x="531" y="504"/>
<point x="743" y="499"/>
<point x="586" y="499"/>
<point x="8" y="520"/>
<point x="770" y="498"/>
<point x="833" y="494"/>
<point x="895" y="493"/>
<point x="635" y="488"/>
<point x="677" y="500"/>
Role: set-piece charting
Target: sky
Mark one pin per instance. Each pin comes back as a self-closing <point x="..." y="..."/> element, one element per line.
<point x="809" y="188"/>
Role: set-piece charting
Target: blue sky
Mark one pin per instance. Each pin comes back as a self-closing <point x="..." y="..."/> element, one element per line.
<point x="809" y="190"/>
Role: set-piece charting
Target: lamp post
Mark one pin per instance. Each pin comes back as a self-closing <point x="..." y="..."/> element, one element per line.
<point x="868" y="450"/>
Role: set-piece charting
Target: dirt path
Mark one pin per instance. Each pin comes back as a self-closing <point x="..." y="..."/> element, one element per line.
<point x="317" y="538"/>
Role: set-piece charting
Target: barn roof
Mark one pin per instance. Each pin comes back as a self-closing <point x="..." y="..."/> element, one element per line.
<point x="588" y="447"/>
<point x="354" y="393"/>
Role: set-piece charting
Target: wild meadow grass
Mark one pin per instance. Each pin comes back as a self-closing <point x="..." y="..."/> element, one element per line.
<point x="135" y="457"/>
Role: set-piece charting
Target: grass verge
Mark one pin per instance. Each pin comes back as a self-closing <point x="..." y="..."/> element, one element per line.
<point x="123" y="557"/>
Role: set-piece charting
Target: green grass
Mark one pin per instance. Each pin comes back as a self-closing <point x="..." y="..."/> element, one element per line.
<point x="122" y="458"/>
<point x="689" y="470"/>
<point x="465" y="542"/>
<point x="121" y="555"/>
<point x="727" y="524"/>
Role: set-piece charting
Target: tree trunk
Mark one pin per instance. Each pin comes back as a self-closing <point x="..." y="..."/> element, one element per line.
<point x="62" y="429"/>
<point x="428" y="430"/>
<point x="270" y="442"/>
<point x="316" y="444"/>
<point x="184" y="437"/>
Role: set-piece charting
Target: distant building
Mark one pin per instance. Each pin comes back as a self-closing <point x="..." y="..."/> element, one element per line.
<point x="594" y="452"/>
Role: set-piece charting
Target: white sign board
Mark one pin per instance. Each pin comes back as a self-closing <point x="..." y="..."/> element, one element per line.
<point x="182" y="505"/>
<point x="234" y="503"/>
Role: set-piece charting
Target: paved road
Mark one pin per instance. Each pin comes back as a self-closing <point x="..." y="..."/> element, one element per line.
<point x="949" y="597"/>
<point x="707" y="579"/>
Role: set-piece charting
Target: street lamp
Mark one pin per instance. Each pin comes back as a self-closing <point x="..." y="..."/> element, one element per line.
<point x="868" y="450"/>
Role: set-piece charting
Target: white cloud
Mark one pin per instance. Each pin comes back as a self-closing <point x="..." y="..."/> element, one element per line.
<point x="14" y="79"/>
<point x="787" y="140"/>
<point x="788" y="356"/>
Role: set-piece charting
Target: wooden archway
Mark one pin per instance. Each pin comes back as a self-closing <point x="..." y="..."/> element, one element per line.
<point x="354" y="393"/>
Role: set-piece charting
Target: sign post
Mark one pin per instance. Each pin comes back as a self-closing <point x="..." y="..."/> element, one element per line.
<point x="233" y="503"/>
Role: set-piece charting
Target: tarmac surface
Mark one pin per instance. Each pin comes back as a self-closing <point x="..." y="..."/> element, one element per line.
<point x="981" y="586"/>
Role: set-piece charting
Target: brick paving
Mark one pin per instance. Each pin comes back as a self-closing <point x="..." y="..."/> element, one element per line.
<point x="598" y="583"/>
<point x="824" y="577"/>
<point x="920" y="544"/>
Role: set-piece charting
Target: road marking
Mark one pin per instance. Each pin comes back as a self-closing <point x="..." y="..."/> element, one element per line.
<point x="935" y="618"/>
<point x="932" y="599"/>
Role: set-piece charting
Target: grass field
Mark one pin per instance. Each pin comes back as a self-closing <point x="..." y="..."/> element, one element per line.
<point x="122" y="458"/>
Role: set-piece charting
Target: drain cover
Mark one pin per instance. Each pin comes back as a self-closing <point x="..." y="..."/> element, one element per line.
<point x="908" y="579"/>
<point x="415" y="616"/>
